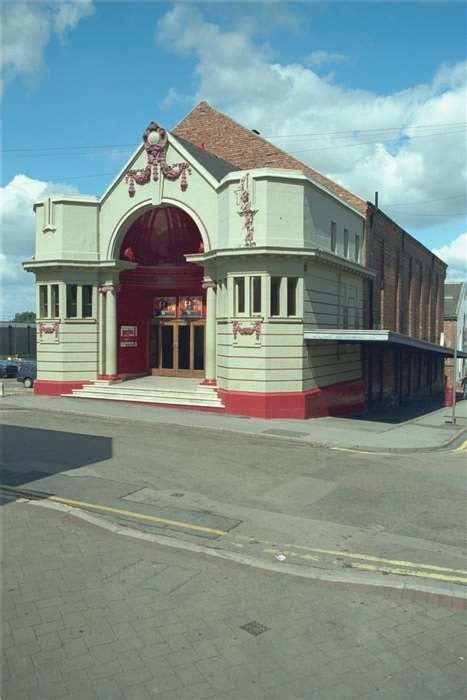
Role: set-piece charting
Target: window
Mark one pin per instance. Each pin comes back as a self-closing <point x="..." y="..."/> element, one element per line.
<point x="87" y="300"/>
<point x="55" y="300"/>
<point x="239" y="287"/>
<point x="43" y="301"/>
<point x="357" y="248"/>
<point x="275" y="296"/>
<point x="72" y="300"/>
<point x="292" y="283"/>
<point x="333" y="236"/>
<point x="346" y="243"/>
<point x="256" y="295"/>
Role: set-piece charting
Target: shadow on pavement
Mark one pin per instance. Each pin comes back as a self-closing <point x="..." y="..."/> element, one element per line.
<point x="30" y="454"/>
<point x="406" y="412"/>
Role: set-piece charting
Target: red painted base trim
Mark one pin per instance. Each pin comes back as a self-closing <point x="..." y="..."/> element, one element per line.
<point x="56" y="388"/>
<point x="338" y="399"/>
<point x="208" y="382"/>
<point x="108" y="376"/>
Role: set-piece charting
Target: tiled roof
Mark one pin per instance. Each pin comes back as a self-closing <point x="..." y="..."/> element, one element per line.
<point x="232" y="142"/>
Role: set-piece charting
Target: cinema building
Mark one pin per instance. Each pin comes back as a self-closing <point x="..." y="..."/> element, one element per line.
<point x="218" y="272"/>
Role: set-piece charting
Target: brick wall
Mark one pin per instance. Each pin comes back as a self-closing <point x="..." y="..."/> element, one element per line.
<point x="408" y="292"/>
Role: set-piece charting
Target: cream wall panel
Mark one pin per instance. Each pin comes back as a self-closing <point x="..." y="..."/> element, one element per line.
<point x="318" y="212"/>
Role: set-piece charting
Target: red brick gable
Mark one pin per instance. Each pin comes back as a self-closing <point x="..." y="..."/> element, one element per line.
<point x="226" y="139"/>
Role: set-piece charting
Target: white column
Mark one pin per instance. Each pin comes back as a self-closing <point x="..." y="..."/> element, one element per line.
<point x="111" y="331"/>
<point x="101" y="311"/>
<point x="211" y="325"/>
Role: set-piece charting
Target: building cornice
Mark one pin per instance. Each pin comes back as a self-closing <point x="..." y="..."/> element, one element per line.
<point x="32" y="265"/>
<point x="305" y="254"/>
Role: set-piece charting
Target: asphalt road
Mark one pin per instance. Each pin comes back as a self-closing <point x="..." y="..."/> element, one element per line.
<point x="256" y="497"/>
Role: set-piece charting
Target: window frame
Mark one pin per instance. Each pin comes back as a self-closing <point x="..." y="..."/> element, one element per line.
<point x="239" y="283"/>
<point x="68" y="287"/>
<point x="346" y="243"/>
<point x="333" y="242"/>
<point x="54" y="300"/>
<point x="44" y="301"/>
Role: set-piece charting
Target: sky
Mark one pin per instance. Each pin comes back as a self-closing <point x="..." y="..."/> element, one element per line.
<point x="371" y="94"/>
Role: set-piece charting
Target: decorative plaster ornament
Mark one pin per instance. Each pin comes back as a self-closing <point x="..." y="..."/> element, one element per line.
<point x="246" y="210"/>
<point x="155" y="140"/>
<point x="48" y="329"/>
<point x="238" y="329"/>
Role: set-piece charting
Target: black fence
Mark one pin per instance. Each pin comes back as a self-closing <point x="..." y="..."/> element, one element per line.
<point x="17" y="340"/>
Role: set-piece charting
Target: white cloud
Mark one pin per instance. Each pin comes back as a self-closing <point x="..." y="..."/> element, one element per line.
<point x="455" y="255"/>
<point x="415" y="163"/>
<point x="321" y="58"/>
<point x="18" y="237"/>
<point x="27" y="29"/>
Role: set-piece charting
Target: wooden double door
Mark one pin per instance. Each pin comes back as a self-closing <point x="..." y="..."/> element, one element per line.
<point x="176" y="348"/>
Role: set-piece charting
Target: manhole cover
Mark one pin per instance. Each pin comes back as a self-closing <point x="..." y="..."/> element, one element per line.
<point x="254" y="628"/>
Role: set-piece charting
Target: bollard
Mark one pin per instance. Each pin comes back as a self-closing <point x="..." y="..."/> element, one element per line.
<point x="448" y="395"/>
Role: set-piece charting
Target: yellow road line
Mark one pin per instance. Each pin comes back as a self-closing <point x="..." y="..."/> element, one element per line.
<point x="382" y="560"/>
<point x="461" y="448"/>
<point x="410" y="572"/>
<point x="360" y="452"/>
<point x="137" y="516"/>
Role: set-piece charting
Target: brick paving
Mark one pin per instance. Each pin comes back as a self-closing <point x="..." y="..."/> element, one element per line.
<point x="91" y="614"/>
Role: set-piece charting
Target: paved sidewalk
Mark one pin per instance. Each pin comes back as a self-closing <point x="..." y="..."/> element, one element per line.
<point x="430" y="431"/>
<point x="91" y="615"/>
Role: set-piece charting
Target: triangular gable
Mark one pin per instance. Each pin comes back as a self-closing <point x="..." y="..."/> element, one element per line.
<point x="210" y="166"/>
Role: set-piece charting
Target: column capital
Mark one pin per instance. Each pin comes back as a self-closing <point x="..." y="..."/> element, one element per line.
<point x="209" y="283"/>
<point x="112" y="288"/>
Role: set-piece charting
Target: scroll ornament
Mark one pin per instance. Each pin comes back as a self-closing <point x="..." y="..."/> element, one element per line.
<point x="155" y="140"/>
<point x="238" y="329"/>
<point x="247" y="211"/>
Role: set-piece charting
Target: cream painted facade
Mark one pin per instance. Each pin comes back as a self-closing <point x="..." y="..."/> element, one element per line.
<point x="300" y="241"/>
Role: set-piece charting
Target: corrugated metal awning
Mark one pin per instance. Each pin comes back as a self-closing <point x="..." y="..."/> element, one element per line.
<point x="379" y="337"/>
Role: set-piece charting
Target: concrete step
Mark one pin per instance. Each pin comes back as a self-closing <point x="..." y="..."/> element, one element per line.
<point x="164" y="394"/>
<point x="164" y="401"/>
<point x="209" y="399"/>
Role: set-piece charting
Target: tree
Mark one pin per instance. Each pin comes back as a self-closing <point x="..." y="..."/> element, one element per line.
<point x="25" y="317"/>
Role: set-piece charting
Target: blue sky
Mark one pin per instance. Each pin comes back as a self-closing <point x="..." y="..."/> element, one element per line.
<point x="372" y="94"/>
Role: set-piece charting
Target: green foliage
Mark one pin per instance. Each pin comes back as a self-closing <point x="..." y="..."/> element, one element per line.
<point x="24" y="317"/>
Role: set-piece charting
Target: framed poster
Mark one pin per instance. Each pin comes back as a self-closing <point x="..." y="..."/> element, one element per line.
<point x="164" y="306"/>
<point x="190" y="307"/>
<point x="128" y="336"/>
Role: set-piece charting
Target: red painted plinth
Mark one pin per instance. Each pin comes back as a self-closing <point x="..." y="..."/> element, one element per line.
<point x="337" y="399"/>
<point x="56" y="388"/>
<point x="208" y="382"/>
<point x="108" y="376"/>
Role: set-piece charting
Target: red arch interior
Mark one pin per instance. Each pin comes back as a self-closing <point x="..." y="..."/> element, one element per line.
<point x="158" y="242"/>
<point x="162" y="236"/>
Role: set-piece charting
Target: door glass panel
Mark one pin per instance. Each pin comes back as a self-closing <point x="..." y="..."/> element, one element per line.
<point x="154" y="346"/>
<point x="184" y="347"/>
<point x="167" y="343"/>
<point x="198" y="355"/>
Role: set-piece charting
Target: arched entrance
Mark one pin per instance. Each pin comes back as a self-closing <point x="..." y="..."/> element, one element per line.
<point x="161" y="303"/>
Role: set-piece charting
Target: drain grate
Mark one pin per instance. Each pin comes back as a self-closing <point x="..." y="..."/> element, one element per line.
<point x="254" y="628"/>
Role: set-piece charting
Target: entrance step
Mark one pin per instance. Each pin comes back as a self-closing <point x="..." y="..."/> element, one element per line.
<point x="198" y="396"/>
